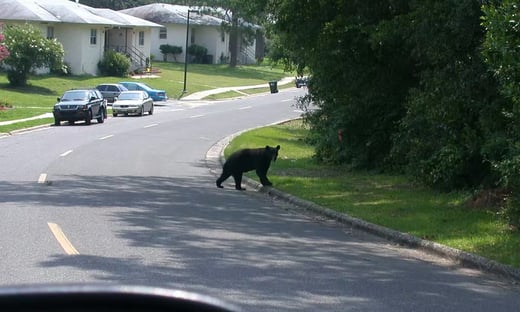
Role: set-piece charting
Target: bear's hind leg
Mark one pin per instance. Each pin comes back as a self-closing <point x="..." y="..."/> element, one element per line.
<point x="222" y="178"/>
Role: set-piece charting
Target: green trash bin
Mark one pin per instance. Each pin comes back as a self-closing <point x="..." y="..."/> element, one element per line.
<point x="273" y="85"/>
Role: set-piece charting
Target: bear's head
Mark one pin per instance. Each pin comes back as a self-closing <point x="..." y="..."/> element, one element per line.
<point x="272" y="152"/>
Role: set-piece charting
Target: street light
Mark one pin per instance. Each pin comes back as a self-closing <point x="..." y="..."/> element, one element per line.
<point x="186" y="51"/>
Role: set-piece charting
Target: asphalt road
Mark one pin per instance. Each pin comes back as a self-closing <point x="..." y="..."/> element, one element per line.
<point x="134" y="201"/>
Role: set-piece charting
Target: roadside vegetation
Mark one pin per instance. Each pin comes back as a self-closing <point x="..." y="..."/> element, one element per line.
<point x="454" y="219"/>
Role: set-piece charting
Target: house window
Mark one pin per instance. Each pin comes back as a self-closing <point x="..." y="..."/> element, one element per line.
<point x="141" y="38"/>
<point x="163" y="33"/>
<point x="50" y="32"/>
<point x="93" y="36"/>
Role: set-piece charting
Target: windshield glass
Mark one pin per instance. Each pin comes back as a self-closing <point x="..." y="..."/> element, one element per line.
<point x="129" y="96"/>
<point x="75" y="96"/>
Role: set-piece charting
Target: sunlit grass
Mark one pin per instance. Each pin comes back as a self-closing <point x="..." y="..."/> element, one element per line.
<point x="388" y="200"/>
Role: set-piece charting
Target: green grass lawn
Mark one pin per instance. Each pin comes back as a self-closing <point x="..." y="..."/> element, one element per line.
<point x="40" y="94"/>
<point x="388" y="200"/>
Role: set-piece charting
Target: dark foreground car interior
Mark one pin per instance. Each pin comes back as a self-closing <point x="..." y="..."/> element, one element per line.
<point x="100" y="298"/>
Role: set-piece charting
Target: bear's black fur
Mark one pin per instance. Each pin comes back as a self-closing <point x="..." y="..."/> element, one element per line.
<point x="248" y="159"/>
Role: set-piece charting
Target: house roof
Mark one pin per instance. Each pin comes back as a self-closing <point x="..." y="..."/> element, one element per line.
<point x="163" y="13"/>
<point x="123" y="18"/>
<point x="25" y="11"/>
<point x="65" y="11"/>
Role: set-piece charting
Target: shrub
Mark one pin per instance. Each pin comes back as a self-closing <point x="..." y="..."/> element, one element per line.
<point x="169" y="49"/>
<point x="114" y="64"/>
<point x="29" y="50"/>
<point x="198" y="52"/>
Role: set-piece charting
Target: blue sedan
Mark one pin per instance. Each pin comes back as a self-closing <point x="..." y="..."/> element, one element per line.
<point x="156" y="95"/>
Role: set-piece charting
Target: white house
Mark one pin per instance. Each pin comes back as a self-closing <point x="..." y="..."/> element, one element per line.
<point x="204" y="30"/>
<point x="85" y="32"/>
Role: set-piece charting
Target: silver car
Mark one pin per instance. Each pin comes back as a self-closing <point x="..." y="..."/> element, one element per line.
<point x="132" y="102"/>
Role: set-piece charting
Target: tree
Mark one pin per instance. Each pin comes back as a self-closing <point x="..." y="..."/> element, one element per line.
<point x="4" y="52"/>
<point x="360" y="73"/>
<point x="30" y="50"/>
<point x="453" y="114"/>
<point x="404" y="83"/>
<point x="502" y="46"/>
<point x="501" y="51"/>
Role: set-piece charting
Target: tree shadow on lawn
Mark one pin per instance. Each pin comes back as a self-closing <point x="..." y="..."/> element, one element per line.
<point x="27" y="89"/>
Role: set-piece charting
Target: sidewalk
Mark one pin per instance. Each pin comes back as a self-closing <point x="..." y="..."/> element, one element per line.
<point x="9" y="122"/>
<point x="202" y="94"/>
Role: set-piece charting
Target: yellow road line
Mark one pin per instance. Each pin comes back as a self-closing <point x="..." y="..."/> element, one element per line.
<point x="62" y="239"/>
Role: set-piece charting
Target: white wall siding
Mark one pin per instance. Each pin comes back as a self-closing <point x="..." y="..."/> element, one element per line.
<point x="80" y="54"/>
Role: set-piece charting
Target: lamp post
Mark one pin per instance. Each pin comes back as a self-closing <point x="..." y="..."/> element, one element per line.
<point x="186" y="51"/>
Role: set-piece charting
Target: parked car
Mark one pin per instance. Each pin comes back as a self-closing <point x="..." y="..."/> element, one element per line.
<point x="111" y="90"/>
<point x="301" y="82"/>
<point x="80" y="104"/>
<point x="156" y="95"/>
<point x="132" y="102"/>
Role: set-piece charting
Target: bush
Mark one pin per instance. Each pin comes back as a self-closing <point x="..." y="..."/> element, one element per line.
<point x="198" y="52"/>
<point x="29" y="50"/>
<point x="169" y="49"/>
<point x="114" y="64"/>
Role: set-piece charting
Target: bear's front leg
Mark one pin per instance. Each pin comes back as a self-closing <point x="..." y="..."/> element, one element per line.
<point x="263" y="178"/>
<point x="238" y="181"/>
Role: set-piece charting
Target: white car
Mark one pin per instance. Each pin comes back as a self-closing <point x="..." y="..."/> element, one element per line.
<point x="132" y="102"/>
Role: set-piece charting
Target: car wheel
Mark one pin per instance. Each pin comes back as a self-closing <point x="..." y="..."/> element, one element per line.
<point x="88" y="119"/>
<point x="101" y="119"/>
<point x="114" y="114"/>
<point x="57" y="122"/>
<point x="151" y="110"/>
<point x="141" y="113"/>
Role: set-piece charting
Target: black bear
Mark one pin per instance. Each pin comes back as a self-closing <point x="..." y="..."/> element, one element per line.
<point x="248" y="159"/>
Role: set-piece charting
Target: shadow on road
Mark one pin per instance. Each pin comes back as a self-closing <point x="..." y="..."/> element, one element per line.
<point x="243" y="249"/>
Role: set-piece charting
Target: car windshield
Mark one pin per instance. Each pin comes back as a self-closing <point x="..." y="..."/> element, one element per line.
<point x="129" y="96"/>
<point x="75" y="96"/>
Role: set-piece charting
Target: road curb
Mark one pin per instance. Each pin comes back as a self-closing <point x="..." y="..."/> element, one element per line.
<point x="463" y="258"/>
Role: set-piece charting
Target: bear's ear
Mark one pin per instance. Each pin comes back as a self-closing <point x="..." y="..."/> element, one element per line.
<point x="267" y="147"/>
<point x="278" y="147"/>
